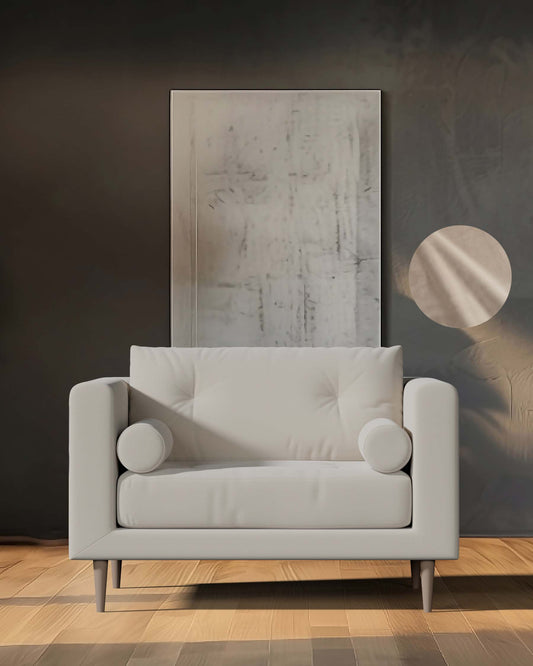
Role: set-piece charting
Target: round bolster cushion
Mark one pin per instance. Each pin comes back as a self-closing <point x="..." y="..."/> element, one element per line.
<point x="385" y="445"/>
<point x="143" y="446"/>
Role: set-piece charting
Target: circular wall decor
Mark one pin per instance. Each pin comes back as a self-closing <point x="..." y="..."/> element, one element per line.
<point x="460" y="276"/>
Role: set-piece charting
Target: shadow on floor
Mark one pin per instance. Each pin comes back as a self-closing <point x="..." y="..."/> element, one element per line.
<point x="450" y="593"/>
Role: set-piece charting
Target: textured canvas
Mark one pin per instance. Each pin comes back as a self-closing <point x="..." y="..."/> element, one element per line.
<point x="275" y="218"/>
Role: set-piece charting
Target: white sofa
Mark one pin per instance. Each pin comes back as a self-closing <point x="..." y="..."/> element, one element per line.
<point x="264" y="460"/>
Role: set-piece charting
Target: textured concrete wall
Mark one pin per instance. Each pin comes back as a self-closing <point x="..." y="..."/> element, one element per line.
<point x="84" y="255"/>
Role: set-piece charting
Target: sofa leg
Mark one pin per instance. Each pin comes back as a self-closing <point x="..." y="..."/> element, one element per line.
<point x="116" y="571"/>
<point x="415" y="574"/>
<point x="100" y="580"/>
<point x="427" y="568"/>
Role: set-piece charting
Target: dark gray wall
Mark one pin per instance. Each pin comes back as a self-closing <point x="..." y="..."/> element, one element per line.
<point x="84" y="251"/>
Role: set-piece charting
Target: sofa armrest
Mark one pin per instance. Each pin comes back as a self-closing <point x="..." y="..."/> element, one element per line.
<point x="98" y="412"/>
<point x="431" y="416"/>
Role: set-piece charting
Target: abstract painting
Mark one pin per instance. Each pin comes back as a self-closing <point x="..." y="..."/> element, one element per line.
<point x="275" y="218"/>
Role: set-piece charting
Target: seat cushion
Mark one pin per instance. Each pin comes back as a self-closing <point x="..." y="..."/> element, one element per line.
<point x="267" y="494"/>
<point x="232" y="404"/>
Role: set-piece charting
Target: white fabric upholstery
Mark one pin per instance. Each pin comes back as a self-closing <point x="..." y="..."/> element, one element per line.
<point x="403" y="543"/>
<point x="266" y="403"/>
<point x="99" y="412"/>
<point x="274" y="494"/>
<point x="431" y="414"/>
<point x="143" y="446"/>
<point x="385" y="445"/>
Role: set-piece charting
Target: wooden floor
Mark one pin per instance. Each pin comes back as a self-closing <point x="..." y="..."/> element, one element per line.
<point x="264" y="613"/>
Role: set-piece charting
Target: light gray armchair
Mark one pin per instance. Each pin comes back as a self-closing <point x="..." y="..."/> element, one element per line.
<point x="264" y="453"/>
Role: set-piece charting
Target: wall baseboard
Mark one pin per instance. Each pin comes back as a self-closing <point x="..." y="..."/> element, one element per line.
<point x="511" y="535"/>
<point x="30" y="541"/>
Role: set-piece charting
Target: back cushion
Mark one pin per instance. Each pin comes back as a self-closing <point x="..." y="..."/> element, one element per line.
<point x="250" y="403"/>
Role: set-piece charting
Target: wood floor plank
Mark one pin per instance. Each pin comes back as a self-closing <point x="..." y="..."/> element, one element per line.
<point x="211" y="624"/>
<point x="114" y="654"/>
<point x="213" y="609"/>
<point x="32" y="553"/>
<point x="327" y="609"/>
<point x="108" y="654"/>
<point x="256" y="585"/>
<point x="376" y="651"/>
<point x="7" y="564"/>
<point x="173" y="620"/>
<point x="492" y="624"/>
<point x="20" y="655"/>
<point x="37" y="611"/>
<point x="168" y="625"/>
<point x="361" y="569"/>
<point x="245" y="653"/>
<point x="509" y="592"/>
<point x="35" y="562"/>
<point x="205" y="653"/>
<point x="16" y="578"/>
<point x="453" y="634"/>
<point x="204" y="572"/>
<point x="315" y="569"/>
<point x="291" y="652"/>
<point x="63" y="654"/>
<point x="253" y="618"/>
<point x="52" y="580"/>
<point x="414" y="639"/>
<point x="159" y="574"/>
<point x="365" y="611"/>
<point x="523" y="548"/>
<point x="11" y="554"/>
<point x="495" y="556"/>
<point x="464" y="650"/>
<point x="44" y="625"/>
<point x="252" y="571"/>
<point x="290" y="616"/>
<point x="155" y="654"/>
<point x="338" y="651"/>
<point x="325" y="595"/>
<point x="128" y="611"/>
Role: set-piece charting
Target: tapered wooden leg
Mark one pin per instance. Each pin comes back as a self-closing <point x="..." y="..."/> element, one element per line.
<point x="100" y="580"/>
<point x="116" y="571"/>
<point x="415" y="574"/>
<point x="427" y="568"/>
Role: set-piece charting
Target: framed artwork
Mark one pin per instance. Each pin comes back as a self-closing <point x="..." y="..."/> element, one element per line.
<point x="275" y="231"/>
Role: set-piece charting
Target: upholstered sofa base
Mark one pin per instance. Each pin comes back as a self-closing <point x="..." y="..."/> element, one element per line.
<point x="270" y="544"/>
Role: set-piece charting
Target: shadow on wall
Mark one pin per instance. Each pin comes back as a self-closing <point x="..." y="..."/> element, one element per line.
<point x="492" y="368"/>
